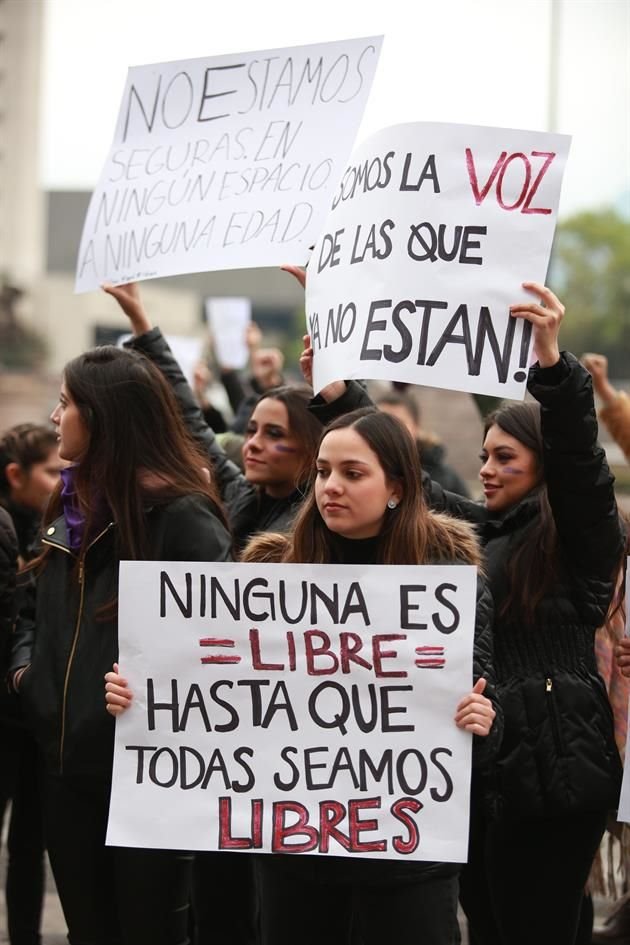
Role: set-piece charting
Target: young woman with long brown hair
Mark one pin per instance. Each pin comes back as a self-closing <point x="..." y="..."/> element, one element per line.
<point x="553" y="546"/>
<point x="137" y="488"/>
<point x="367" y="507"/>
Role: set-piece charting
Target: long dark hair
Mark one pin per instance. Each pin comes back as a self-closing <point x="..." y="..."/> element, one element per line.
<point x="25" y="444"/>
<point x="303" y="425"/>
<point x="411" y="534"/>
<point x="139" y="452"/>
<point x="537" y="554"/>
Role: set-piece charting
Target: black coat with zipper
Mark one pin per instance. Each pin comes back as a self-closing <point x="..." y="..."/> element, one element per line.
<point x="558" y="754"/>
<point x="68" y="645"/>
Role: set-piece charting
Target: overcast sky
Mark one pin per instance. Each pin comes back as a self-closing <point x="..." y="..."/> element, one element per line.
<point x="472" y="61"/>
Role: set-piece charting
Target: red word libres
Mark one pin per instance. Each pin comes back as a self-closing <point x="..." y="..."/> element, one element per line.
<point x="316" y="837"/>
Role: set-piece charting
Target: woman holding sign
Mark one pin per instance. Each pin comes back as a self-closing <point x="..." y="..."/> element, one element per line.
<point x="368" y="507"/>
<point x="554" y="545"/>
<point x="137" y="488"/>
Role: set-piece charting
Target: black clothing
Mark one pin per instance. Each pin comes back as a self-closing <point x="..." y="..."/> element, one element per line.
<point x="433" y="461"/>
<point x="558" y="771"/>
<point x="69" y="648"/>
<point x="19" y="778"/>
<point x="20" y="787"/>
<point x="526" y="881"/>
<point x="559" y="754"/>
<point x="407" y="894"/>
<point x="8" y="571"/>
<point x="249" y="509"/>
<point x="111" y="895"/>
<point x="307" y="906"/>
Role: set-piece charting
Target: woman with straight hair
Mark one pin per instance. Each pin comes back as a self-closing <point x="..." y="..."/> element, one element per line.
<point x="553" y="544"/>
<point x="137" y="488"/>
<point x="29" y="471"/>
<point x="367" y="507"/>
<point x="281" y="435"/>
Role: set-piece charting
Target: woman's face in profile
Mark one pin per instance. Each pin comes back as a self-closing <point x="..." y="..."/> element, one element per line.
<point x="72" y="432"/>
<point x="509" y="470"/>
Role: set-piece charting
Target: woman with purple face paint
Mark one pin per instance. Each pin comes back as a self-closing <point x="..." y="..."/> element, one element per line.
<point x="280" y="438"/>
<point x="553" y="548"/>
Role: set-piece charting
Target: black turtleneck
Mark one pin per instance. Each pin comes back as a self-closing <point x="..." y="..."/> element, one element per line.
<point x="355" y="550"/>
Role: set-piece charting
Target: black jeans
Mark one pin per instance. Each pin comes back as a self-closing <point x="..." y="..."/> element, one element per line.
<point x="315" y="900"/>
<point x="111" y="895"/>
<point x="525" y="879"/>
<point x="19" y="786"/>
<point x="224" y="899"/>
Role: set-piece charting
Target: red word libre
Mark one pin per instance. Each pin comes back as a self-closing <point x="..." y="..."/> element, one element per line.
<point x="301" y="836"/>
<point x="321" y="656"/>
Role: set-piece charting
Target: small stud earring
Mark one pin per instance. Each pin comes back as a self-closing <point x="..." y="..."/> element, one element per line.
<point x="391" y="504"/>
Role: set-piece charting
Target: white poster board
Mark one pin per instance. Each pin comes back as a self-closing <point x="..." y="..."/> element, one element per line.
<point x="227" y="320"/>
<point x="623" y="813"/>
<point x="431" y="234"/>
<point x="306" y="708"/>
<point x="225" y="162"/>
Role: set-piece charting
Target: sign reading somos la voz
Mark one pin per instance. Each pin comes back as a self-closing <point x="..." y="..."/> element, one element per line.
<point x="294" y="708"/>
<point x="432" y="231"/>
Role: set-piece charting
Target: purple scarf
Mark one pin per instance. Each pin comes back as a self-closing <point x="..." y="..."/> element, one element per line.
<point x="75" y="520"/>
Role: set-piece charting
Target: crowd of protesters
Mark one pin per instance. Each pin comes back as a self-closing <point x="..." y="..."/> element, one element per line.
<point x="136" y="466"/>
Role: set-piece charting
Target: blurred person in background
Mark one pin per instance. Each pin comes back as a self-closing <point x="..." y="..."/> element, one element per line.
<point x="431" y="451"/>
<point x="29" y="471"/>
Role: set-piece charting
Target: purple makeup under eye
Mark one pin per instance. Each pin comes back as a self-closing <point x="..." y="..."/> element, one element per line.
<point x="281" y="448"/>
<point x="513" y="471"/>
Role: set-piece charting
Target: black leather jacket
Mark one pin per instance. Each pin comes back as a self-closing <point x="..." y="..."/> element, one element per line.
<point x="68" y="644"/>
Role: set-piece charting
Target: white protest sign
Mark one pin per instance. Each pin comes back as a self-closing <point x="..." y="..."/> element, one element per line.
<point x="228" y="319"/>
<point x="225" y="162"/>
<point x="431" y="234"/>
<point x="623" y="813"/>
<point x="187" y="352"/>
<point x="301" y="708"/>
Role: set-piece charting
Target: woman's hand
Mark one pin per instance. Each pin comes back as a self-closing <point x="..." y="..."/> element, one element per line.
<point x="475" y="712"/>
<point x="297" y="272"/>
<point x="17" y="676"/>
<point x="266" y="366"/>
<point x="545" y="317"/>
<point x="597" y="366"/>
<point x="329" y="393"/>
<point x="622" y="655"/>
<point x="118" y="695"/>
<point x="128" y="297"/>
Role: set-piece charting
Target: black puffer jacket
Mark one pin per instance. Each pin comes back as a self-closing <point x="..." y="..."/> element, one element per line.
<point x="558" y="754"/>
<point x="68" y="647"/>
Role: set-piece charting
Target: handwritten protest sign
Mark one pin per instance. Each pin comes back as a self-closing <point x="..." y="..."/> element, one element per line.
<point x="228" y="319"/>
<point x="224" y="162"/>
<point x="433" y="229"/>
<point x="294" y="708"/>
<point x="623" y="813"/>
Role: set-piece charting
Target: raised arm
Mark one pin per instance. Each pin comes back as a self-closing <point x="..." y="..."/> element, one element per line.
<point x="579" y="482"/>
<point x="151" y="342"/>
<point x="615" y="408"/>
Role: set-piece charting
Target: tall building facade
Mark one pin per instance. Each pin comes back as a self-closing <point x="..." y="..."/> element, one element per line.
<point x="21" y="198"/>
